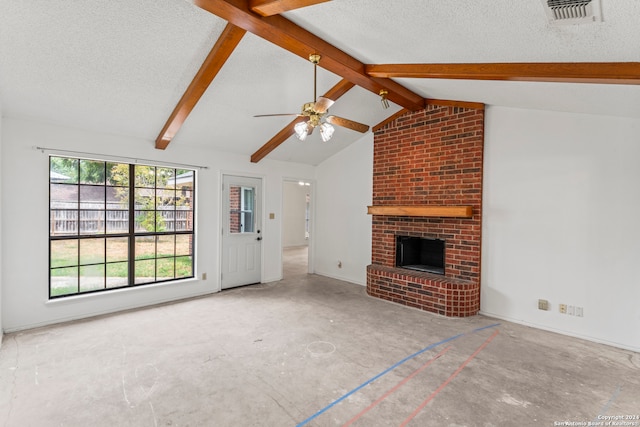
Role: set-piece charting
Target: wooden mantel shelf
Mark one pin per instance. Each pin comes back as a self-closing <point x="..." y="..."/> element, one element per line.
<point x="422" y="210"/>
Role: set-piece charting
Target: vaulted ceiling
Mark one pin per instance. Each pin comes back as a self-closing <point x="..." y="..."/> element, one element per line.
<point x="194" y="74"/>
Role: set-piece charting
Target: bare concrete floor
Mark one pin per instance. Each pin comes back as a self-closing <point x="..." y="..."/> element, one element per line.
<point x="308" y="351"/>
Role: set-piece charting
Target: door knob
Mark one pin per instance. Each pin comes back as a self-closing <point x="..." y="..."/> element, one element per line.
<point x="258" y="238"/>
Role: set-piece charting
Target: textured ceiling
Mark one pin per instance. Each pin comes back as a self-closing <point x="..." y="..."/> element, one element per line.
<point x="120" y="66"/>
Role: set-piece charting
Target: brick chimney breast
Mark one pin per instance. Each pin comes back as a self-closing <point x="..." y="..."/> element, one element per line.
<point x="431" y="157"/>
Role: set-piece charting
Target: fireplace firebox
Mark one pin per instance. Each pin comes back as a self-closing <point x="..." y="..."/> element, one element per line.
<point x="420" y="254"/>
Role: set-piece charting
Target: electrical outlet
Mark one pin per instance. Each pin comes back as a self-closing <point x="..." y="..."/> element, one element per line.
<point x="562" y="308"/>
<point x="543" y="304"/>
<point x="570" y="310"/>
<point x="204" y="276"/>
<point x="579" y="311"/>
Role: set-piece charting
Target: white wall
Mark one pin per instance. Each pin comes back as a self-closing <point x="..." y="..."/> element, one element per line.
<point x="342" y="227"/>
<point x="562" y="222"/>
<point x="294" y="214"/>
<point x="25" y="195"/>
<point x="1" y="329"/>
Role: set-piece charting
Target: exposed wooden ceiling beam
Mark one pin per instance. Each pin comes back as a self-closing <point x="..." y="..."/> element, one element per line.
<point x="334" y="93"/>
<point x="569" y="72"/>
<point x="275" y="7"/>
<point x="301" y="42"/>
<point x="452" y="103"/>
<point x="225" y="45"/>
<point x="389" y="119"/>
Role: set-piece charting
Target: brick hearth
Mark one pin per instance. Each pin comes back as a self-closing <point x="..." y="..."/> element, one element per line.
<point x="431" y="157"/>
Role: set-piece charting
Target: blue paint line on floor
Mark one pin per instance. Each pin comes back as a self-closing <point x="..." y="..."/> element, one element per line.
<point x="605" y="409"/>
<point x="389" y="369"/>
<point x="486" y="327"/>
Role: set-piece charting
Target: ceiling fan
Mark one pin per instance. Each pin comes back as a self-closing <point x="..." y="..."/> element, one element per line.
<point x="314" y="114"/>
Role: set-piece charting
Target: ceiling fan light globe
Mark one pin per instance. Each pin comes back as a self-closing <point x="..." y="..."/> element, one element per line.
<point x="326" y="131"/>
<point x="301" y="130"/>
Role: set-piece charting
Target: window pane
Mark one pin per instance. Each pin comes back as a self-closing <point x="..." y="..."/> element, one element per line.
<point x="168" y="220"/>
<point x="145" y="221"/>
<point x="185" y="199"/>
<point x="166" y="199"/>
<point x="145" y="176"/>
<point x="184" y="179"/>
<point x="63" y="196"/>
<point x="118" y="174"/>
<point x="92" y="197"/>
<point x="165" y="269"/>
<point x="183" y="244"/>
<point x="165" y="178"/>
<point x="117" y="222"/>
<point x="184" y="220"/>
<point x="117" y="274"/>
<point x="91" y="172"/>
<point x="117" y="249"/>
<point x="91" y="277"/>
<point x="241" y="202"/>
<point x="234" y="209"/>
<point x="184" y="266"/>
<point x="91" y="251"/>
<point x="64" y="253"/>
<point x="247" y="199"/>
<point x="166" y="246"/>
<point x="92" y="222"/>
<point x="117" y="198"/>
<point x="145" y="247"/>
<point x="64" y="223"/>
<point x="246" y="206"/>
<point x="247" y="222"/>
<point x="145" y="271"/>
<point x="64" y="281"/>
<point x="145" y="199"/>
<point x="64" y="170"/>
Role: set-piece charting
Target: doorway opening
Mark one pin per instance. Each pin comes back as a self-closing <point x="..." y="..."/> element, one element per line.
<point x="296" y="227"/>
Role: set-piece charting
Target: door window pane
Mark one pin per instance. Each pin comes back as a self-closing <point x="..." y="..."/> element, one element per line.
<point x="241" y="209"/>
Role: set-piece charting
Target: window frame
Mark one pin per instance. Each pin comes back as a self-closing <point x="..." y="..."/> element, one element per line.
<point x="175" y="193"/>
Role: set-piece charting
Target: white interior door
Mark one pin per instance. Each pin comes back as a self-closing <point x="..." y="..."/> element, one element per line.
<point x="241" y="231"/>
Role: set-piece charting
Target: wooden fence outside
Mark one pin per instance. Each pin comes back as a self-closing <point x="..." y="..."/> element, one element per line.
<point x="64" y="222"/>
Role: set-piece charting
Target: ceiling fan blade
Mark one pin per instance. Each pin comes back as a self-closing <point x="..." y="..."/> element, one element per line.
<point x="275" y="115"/>
<point x="323" y="104"/>
<point x="359" y="127"/>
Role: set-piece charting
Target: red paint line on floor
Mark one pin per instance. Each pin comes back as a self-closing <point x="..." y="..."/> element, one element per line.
<point x="396" y="387"/>
<point x="448" y="380"/>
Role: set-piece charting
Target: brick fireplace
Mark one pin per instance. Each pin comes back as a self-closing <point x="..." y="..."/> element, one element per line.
<point x="427" y="182"/>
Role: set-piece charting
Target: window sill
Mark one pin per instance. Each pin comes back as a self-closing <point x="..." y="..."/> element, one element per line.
<point x="102" y="294"/>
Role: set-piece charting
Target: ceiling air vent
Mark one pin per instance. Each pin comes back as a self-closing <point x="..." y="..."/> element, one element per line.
<point x="562" y="12"/>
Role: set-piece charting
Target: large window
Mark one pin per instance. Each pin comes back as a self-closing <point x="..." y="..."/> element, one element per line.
<point x="113" y="225"/>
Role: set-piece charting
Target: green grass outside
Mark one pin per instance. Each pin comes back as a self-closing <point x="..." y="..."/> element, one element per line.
<point x="94" y="261"/>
